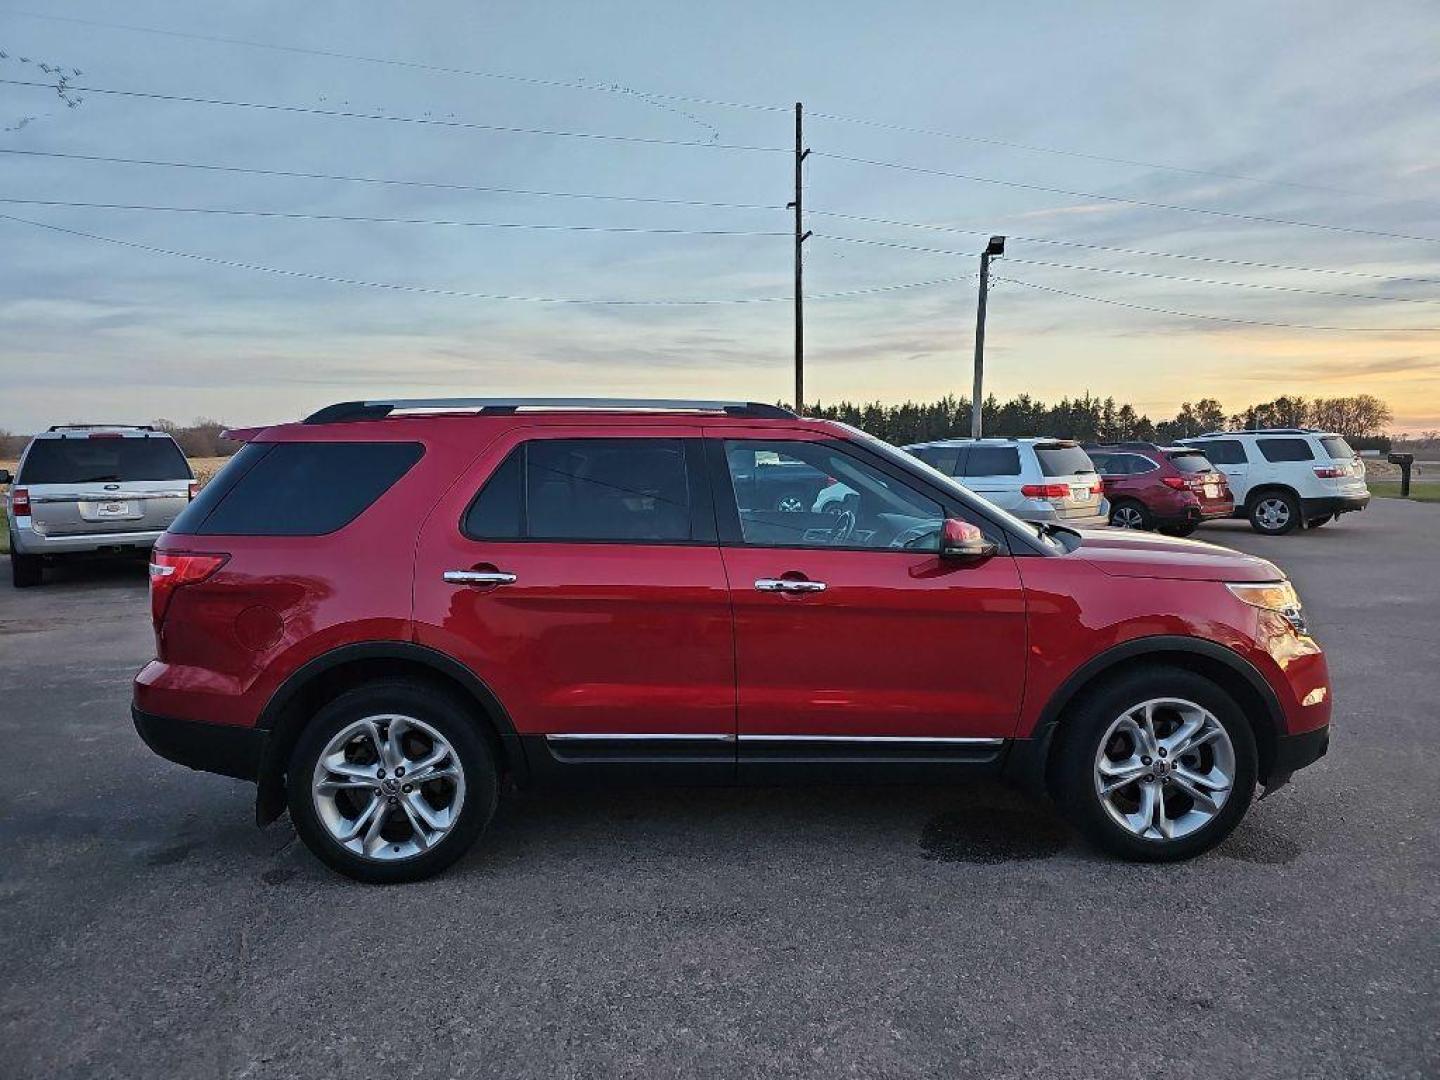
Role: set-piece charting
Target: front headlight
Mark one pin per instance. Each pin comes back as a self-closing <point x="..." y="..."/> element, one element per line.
<point x="1277" y="596"/>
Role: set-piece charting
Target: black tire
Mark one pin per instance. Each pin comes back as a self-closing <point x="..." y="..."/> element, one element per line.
<point x="26" y="571"/>
<point x="1315" y="523"/>
<point x="1274" y="512"/>
<point x="1078" y="743"/>
<point x="446" y="715"/>
<point x="1128" y="510"/>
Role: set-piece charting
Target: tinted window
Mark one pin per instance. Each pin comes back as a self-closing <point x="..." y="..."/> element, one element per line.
<point x="1285" y="449"/>
<point x="1060" y="460"/>
<point x="1135" y="464"/>
<point x="296" y="489"/>
<point x="994" y="461"/>
<point x="607" y="489"/>
<point x="1226" y="451"/>
<point x="944" y="458"/>
<point x="879" y="511"/>
<point x="495" y="513"/>
<point x="1191" y="462"/>
<point x="1337" y="448"/>
<point x="86" y="460"/>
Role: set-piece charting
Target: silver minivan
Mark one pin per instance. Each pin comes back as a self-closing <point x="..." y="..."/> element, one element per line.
<point x="84" y="489"/>
<point x="1036" y="479"/>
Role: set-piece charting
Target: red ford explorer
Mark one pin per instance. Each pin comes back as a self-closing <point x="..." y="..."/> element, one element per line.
<point x="387" y="613"/>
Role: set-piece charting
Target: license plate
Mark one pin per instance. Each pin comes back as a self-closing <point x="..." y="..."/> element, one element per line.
<point x="1212" y="491"/>
<point x="113" y="509"/>
<point x="1080" y="494"/>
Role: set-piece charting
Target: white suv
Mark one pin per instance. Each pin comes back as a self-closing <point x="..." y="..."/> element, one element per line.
<point x="1036" y="479"/>
<point x="1284" y="478"/>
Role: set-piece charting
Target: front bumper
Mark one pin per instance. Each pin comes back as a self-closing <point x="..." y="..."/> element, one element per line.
<point x="217" y="748"/>
<point x="1294" y="752"/>
<point x="1333" y="504"/>
<point x="27" y="541"/>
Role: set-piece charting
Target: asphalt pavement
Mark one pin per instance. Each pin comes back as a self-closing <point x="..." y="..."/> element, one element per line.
<point x="150" y="930"/>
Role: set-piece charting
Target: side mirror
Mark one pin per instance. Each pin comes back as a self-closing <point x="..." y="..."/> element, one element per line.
<point x="961" y="540"/>
<point x="5" y="477"/>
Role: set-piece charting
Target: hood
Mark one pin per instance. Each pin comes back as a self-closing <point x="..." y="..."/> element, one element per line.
<point x="1123" y="553"/>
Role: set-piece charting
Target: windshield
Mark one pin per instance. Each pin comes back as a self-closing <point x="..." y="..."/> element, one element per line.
<point x="914" y="464"/>
<point x="1191" y="462"/>
<point x="1337" y="448"/>
<point x="107" y="458"/>
<point x="1060" y="459"/>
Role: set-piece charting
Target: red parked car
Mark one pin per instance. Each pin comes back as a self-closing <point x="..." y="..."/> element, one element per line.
<point x="1172" y="489"/>
<point x="384" y="615"/>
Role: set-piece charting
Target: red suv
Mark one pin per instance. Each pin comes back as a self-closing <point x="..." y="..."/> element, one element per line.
<point x="1172" y="489"/>
<point x="386" y="613"/>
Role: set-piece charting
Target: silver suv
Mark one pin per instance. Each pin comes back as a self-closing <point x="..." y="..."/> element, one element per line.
<point x="1037" y="479"/>
<point x="92" y="488"/>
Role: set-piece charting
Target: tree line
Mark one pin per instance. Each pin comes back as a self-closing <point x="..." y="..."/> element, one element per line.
<point x="1361" y="418"/>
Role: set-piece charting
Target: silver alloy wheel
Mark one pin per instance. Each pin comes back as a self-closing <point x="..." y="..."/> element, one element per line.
<point x="1272" y="513"/>
<point x="1128" y="517"/>
<point x="1164" y="769"/>
<point x="790" y="504"/>
<point x="388" y="787"/>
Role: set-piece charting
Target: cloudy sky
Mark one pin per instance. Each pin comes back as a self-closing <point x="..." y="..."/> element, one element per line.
<point x="1310" y="111"/>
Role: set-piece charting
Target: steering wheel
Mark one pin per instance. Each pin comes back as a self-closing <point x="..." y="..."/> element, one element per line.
<point x="844" y="527"/>
<point x="912" y="535"/>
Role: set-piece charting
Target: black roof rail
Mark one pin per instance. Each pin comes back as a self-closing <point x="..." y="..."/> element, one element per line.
<point x="101" y="427"/>
<point x="377" y="409"/>
<point x="1126" y="444"/>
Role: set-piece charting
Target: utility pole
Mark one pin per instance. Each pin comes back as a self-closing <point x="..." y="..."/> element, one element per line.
<point x="801" y="153"/>
<point x="995" y="248"/>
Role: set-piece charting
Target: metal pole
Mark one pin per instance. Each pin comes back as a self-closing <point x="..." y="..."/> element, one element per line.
<point x="976" y="393"/>
<point x="800" y="237"/>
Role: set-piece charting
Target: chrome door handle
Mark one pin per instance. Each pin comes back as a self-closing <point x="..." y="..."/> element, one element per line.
<point x="479" y="577"/>
<point x="789" y="585"/>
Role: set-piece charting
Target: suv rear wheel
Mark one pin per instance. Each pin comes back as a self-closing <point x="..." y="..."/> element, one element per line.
<point x="1157" y="765"/>
<point x="1131" y="515"/>
<point x="391" y="782"/>
<point x="25" y="570"/>
<point x="1274" y="513"/>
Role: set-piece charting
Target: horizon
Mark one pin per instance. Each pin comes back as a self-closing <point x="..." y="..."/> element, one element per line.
<point x="1311" y="117"/>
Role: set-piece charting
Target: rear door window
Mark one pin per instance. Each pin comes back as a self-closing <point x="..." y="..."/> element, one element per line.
<point x="1057" y="459"/>
<point x="103" y="459"/>
<point x="296" y="489"/>
<point x="1226" y="451"/>
<point x="994" y="461"/>
<point x="1285" y="449"/>
<point x="1337" y="448"/>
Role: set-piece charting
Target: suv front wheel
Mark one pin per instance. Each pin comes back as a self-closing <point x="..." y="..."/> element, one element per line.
<point x="391" y="782"/>
<point x="25" y="570"/>
<point x="1274" y="513"/>
<point x="1157" y="765"/>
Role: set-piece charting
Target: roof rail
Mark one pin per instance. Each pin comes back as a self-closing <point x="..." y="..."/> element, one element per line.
<point x="376" y="409"/>
<point x="92" y="427"/>
<point x="1260" y="431"/>
<point x="1123" y="444"/>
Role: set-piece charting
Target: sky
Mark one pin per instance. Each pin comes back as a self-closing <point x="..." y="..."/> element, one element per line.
<point x="1312" y="111"/>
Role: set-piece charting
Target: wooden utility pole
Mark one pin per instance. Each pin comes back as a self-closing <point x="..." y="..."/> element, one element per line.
<point x="995" y="248"/>
<point x="801" y="153"/>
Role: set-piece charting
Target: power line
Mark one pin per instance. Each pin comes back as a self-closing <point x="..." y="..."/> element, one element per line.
<point x="466" y="295"/>
<point x="1213" y="281"/>
<point x="346" y="114"/>
<point x="1123" y="200"/>
<point x="292" y="216"/>
<point x="1220" y="260"/>
<point x="624" y="90"/>
<point x="1222" y="318"/>
<point x="435" y="184"/>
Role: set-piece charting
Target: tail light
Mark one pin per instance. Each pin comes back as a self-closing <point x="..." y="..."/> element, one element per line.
<point x="1330" y="472"/>
<point x="20" y="502"/>
<point x="174" y="570"/>
<point x="1176" y="482"/>
<point x="1097" y="487"/>
<point x="194" y="489"/>
<point x="1045" y="491"/>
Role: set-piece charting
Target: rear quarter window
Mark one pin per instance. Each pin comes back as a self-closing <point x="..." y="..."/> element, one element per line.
<point x="1058" y="460"/>
<point x="1285" y="449"/>
<point x="1195" y="462"/>
<point x="88" y="460"/>
<point x="296" y="489"/>
<point x="1337" y="448"/>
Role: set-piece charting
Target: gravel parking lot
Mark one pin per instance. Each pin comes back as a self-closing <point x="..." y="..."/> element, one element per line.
<point x="151" y="931"/>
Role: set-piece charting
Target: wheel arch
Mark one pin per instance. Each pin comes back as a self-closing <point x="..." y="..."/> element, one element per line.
<point x="1253" y="495"/>
<point x="330" y="674"/>
<point x="1223" y="666"/>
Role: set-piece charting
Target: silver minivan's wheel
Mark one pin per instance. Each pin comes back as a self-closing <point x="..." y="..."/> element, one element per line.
<point x="1156" y="765"/>
<point x="1274" y="513"/>
<point x="391" y="782"/>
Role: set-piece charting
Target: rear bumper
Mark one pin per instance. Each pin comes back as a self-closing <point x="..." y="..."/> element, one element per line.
<point x="1334" y="504"/>
<point x="216" y="748"/>
<point x="27" y="541"/>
